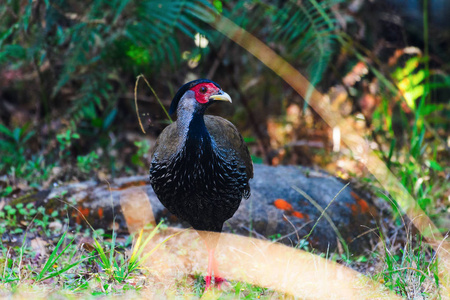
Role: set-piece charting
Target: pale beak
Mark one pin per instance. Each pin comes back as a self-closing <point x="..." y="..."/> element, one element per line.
<point x="221" y="95"/>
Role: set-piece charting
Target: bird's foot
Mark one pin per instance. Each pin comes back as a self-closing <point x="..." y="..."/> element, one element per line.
<point x="221" y="282"/>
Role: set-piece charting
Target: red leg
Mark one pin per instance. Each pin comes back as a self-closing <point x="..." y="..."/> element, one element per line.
<point x="218" y="278"/>
<point x="210" y="269"/>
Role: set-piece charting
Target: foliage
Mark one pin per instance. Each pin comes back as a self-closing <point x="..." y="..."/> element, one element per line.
<point x="65" y="142"/>
<point x="308" y="30"/>
<point x="411" y="272"/>
<point x="16" y="219"/>
<point x="143" y="150"/>
<point x="115" y="266"/>
<point x="36" y="169"/>
<point x="13" y="149"/>
<point x="407" y="127"/>
<point x="86" y="44"/>
<point x="88" y="163"/>
<point x="52" y="261"/>
<point x="304" y="32"/>
<point x="67" y="261"/>
<point x="77" y="52"/>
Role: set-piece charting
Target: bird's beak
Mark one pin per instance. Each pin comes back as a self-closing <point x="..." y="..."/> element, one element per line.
<point x="221" y="95"/>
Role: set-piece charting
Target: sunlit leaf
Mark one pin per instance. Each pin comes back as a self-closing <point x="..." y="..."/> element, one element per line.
<point x="434" y="165"/>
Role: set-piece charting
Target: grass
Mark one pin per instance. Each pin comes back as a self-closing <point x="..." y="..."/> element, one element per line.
<point x="89" y="263"/>
<point x="73" y="264"/>
<point x="412" y="273"/>
<point x="83" y="262"/>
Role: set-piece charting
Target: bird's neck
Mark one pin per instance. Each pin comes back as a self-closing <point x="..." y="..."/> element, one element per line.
<point x="193" y="130"/>
<point x="197" y="127"/>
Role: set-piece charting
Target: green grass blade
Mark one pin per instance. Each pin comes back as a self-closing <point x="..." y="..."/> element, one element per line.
<point x="111" y="252"/>
<point x="62" y="270"/>
<point x="391" y="152"/>
<point x="51" y="258"/>
<point x="63" y="251"/>
<point x="103" y="259"/>
<point x="21" y="253"/>
<point x="138" y="243"/>
<point x="147" y="240"/>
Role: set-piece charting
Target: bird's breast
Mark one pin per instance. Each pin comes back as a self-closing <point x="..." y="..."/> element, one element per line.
<point x="197" y="169"/>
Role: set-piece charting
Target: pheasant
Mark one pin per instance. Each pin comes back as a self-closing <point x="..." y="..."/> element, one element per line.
<point x="201" y="167"/>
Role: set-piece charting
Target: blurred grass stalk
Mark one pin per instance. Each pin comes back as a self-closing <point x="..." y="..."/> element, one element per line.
<point x="356" y="143"/>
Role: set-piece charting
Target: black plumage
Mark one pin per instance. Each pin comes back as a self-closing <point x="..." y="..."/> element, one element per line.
<point x="200" y="167"/>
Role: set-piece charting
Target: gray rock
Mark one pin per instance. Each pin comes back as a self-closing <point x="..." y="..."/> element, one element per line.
<point x="346" y="217"/>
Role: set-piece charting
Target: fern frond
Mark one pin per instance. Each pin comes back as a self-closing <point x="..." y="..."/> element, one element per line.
<point x="307" y="31"/>
<point x="102" y="35"/>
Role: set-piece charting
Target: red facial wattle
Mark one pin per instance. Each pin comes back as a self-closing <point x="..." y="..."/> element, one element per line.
<point x="203" y="91"/>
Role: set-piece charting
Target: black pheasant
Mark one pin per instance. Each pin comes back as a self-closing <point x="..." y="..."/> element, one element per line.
<point x="201" y="167"/>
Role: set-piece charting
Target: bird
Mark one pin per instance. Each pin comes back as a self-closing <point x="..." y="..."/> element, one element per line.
<point x="200" y="166"/>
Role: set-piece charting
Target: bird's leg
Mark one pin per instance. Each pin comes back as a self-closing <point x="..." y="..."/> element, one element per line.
<point x="218" y="279"/>
<point x="210" y="269"/>
<point x="214" y="267"/>
<point x="210" y="239"/>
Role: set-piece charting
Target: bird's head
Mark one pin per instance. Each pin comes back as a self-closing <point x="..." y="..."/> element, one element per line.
<point x="197" y="95"/>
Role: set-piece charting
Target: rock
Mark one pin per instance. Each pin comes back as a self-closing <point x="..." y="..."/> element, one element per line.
<point x="285" y="205"/>
<point x="279" y="208"/>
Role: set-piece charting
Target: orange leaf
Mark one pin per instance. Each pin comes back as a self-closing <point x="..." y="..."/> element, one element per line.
<point x="282" y="204"/>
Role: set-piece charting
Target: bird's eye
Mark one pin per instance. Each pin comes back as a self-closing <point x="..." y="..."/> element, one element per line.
<point x="203" y="89"/>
